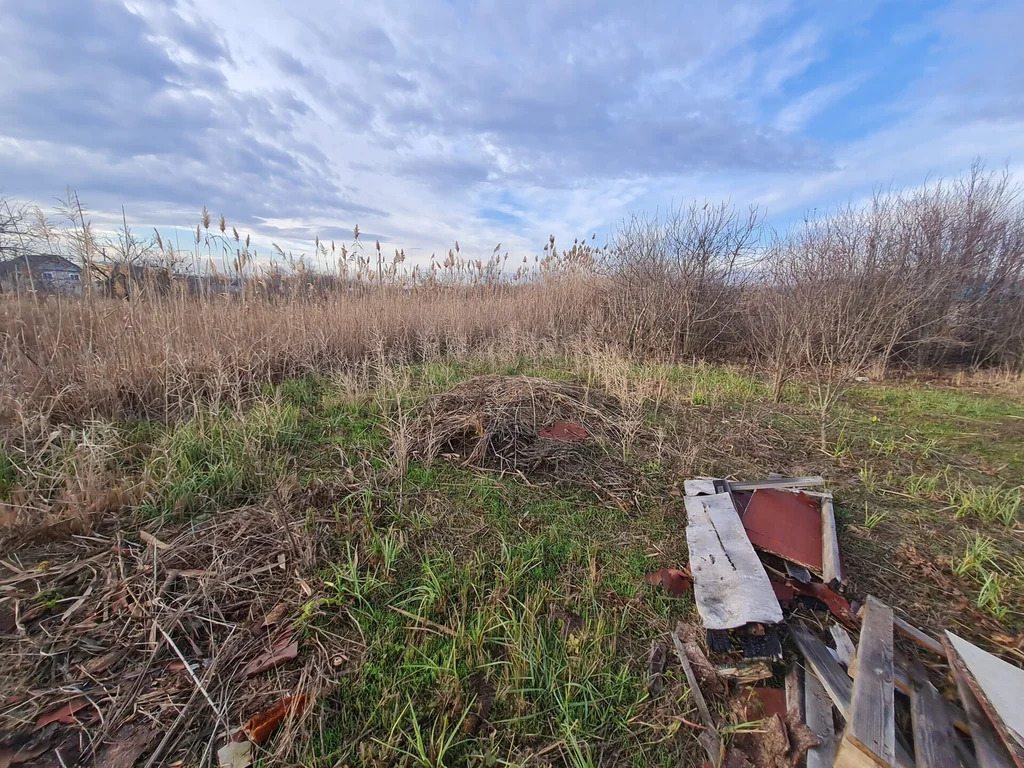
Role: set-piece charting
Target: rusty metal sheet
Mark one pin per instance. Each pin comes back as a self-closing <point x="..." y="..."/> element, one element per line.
<point x="786" y="524"/>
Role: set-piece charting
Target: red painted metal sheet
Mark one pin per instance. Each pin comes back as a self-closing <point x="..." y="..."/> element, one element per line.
<point x="786" y="524"/>
<point x="758" y="703"/>
<point x="565" y="432"/>
<point x="784" y="592"/>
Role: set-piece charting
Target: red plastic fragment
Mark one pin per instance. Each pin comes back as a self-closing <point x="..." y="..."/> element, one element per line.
<point x="284" y="649"/>
<point x="565" y="432"/>
<point x="258" y="728"/>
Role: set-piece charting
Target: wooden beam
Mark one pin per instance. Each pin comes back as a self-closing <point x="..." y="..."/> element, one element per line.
<point x="832" y="677"/>
<point x="831" y="565"/>
<point x="870" y="735"/>
<point x="795" y="693"/>
<point x="781" y="482"/>
<point x="934" y="737"/>
<point x="916" y="635"/>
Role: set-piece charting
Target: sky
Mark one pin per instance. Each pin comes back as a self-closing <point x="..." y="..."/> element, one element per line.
<point x="431" y="121"/>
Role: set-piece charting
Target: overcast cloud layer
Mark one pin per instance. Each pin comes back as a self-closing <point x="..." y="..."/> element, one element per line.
<point x="429" y="121"/>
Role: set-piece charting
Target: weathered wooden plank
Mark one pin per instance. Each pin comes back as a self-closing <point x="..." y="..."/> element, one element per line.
<point x="835" y="681"/>
<point x="795" y="693"/>
<point x="746" y="671"/>
<point x="999" y="744"/>
<point x="845" y="649"/>
<point x="934" y="737"/>
<point x="911" y="632"/>
<point x="781" y="482"/>
<point x="871" y="727"/>
<point x="818" y="707"/>
<point x="699" y="485"/>
<point x="831" y="565"/>
<point x="709" y="738"/>
<point x="730" y="585"/>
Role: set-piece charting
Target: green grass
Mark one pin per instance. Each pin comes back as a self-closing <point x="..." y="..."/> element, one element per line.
<point x="8" y="475"/>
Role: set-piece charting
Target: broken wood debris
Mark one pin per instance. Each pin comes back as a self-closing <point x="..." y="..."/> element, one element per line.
<point x="710" y="737"/>
<point x="844" y="698"/>
<point x="870" y="735"/>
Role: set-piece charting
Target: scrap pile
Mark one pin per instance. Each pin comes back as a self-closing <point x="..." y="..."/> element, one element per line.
<point x="766" y="567"/>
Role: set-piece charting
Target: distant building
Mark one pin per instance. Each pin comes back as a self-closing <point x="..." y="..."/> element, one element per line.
<point x="43" y="273"/>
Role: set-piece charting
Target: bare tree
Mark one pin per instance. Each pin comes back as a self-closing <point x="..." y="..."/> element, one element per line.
<point x="842" y="297"/>
<point x="678" y="277"/>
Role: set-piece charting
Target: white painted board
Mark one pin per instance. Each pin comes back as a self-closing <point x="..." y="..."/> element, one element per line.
<point x="1002" y="683"/>
<point x="699" y="485"/>
<point x="729" y="583"/>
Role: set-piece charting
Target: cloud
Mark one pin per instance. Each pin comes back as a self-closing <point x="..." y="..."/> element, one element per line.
<point x="485" y="121"/>
<point x="797" y="113"/>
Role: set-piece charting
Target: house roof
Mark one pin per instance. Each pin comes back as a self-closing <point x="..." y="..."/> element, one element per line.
<point x="36" y="261"/>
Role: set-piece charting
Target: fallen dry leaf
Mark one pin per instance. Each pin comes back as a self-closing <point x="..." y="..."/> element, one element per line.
<point x="259" y="727"/>
<point x="16" y="756"/>
<point x="284" y="649"/>
<point x="676" y="581"/>
<point x="63" y="714"/>
<point x="128" y="745"/>
<point x="276" y="615"/>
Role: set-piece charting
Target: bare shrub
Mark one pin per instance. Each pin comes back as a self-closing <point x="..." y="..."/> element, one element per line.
<point x="835" y="299"/>
<point x="677" y="278"/>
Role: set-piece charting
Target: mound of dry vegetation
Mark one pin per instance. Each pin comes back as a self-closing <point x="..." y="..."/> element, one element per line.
<point x="500" y="421"/>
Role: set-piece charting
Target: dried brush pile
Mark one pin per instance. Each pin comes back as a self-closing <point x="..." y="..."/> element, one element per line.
<point x="116" y="649"/>
<point x="496" y="422"/>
